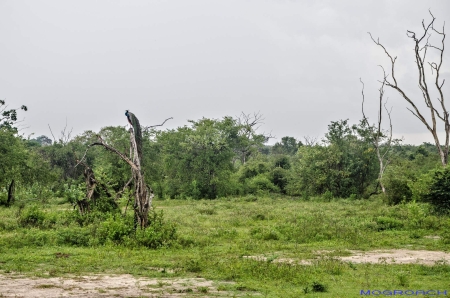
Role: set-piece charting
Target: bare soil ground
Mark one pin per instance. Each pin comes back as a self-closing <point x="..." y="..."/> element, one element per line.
<point x="399" y="256"/>
<point x="107" y="286"/>
<point x="128" y="286"/>
<point x="391" y="256"/>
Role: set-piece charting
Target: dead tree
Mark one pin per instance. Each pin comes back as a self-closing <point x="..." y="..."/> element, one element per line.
<point x="65" y="135"/>
<point x="92" y="192"/>
<point x="438" y="111"/>
<point x="248" y="139"/>
<point x="153" y="126"/>
<point x="143" y="194"/>
<point x="381" y="142"/>
<point x="310" y="141"/>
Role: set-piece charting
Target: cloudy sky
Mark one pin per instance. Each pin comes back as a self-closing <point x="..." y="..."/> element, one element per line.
<point x="296" y="62"/>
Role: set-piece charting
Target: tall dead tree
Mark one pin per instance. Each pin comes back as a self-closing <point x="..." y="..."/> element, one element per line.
<point x="438" y="111"/>
<point x="381" y="141"/>
<point x="143" y="194"/>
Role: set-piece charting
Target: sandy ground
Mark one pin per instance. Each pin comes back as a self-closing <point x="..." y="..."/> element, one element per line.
<point x="399" y="256"/>
<point x="128" y="286"/>
<point x="392" y="256"/>
<point x="107" y="286"/>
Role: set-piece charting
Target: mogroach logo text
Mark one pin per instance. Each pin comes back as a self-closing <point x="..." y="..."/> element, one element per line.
<point x="402" y="293"/>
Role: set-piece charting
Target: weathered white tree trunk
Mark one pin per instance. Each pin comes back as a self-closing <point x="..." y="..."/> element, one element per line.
<point x="143" y="195"/>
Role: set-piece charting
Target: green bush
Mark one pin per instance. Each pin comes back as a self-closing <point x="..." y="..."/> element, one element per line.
<point x="318" y="287"/>
<point x="75" y="236"/>
<point x="115" y="229"/>
<point x="3" y="196"/>
<point x="397" y="190"/>
<point x="67" y="218"/>
<point x="38" y="238"/>
<point x="261" y="183"/>
<point x="445" y="237"/>
<point x="31" y="217"/>
<point x="327" y="196"/>
<point x="420" y="188"/>
<point x="279" y="177"/>
<point x="35" y="191"/>
<point x="388" y="223"/>
<point x="265" y="233"/>
<point x="74" y="193"/>
<point x="159" y="234"/>
<point x="418" y="215"/>
<point x="439" y="193"/>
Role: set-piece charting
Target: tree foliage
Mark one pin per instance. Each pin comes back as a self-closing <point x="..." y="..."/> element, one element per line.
<point x="8" y="117"/>
<point x="343" y="165"/>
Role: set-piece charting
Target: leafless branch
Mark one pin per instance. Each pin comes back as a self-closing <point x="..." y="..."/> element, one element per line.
<point x="148" y="127"/>
<point x="420" y="61"/>
<point x="65" y="137"/>
<point x="377" y="138"/>
<point x="54" y="139"/>
<point x="310" y="141"/>
<point x="114" y="150"/>
<point x="249" y="121"/>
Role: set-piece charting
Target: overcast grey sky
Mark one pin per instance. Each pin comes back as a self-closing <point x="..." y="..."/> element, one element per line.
<point x="296" y="62"/>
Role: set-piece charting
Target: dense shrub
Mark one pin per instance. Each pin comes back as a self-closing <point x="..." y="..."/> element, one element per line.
<point x="279" y="177"/>
<point x="115" y="229"/>
<point x="67" y="218"/>
<point x="159" y="234"/>
<point x="74" y="193"/>
<point x="388" y="223"/>
<point x="420" y="187"/>
<point x="397" y="190"/>
<point x="31" y="217"/>
<point x="260" y="183"/>
<point x="439" y="193"/>
<point x="121" y="230"/>
<point x="74" y="236"/>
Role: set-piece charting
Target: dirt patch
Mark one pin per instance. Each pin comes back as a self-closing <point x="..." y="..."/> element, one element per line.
<point x="394" y="256"/>
<point x="399" y="256"/>
<point x="108" y="286"/>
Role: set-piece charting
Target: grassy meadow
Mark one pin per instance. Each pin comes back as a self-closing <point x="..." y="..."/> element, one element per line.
<point x="221" y="239"/>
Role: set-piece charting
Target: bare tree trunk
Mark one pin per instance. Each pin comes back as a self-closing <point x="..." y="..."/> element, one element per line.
<point x="143" y="193"/>
<point x="377" y="135"/>
<point x="11" y="191"/>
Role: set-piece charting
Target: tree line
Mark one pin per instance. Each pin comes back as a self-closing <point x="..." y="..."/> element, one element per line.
<point x="214" y="158"/>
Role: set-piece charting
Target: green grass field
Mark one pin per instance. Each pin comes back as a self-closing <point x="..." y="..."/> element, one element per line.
<point x="214" y="239"/>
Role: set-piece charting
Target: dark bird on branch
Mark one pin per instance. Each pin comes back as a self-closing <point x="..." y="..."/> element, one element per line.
<point x="134" y="122"/>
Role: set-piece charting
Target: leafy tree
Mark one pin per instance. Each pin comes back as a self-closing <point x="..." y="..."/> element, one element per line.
<point x="288" y="145"/>
<point x="44" y="140"/>
<point x="20" y="166"/>
<point x="8" y="117"/>
<point x="343" y="165"/>
<point x="198" y="159"/>
<point x="439" y="193"/>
